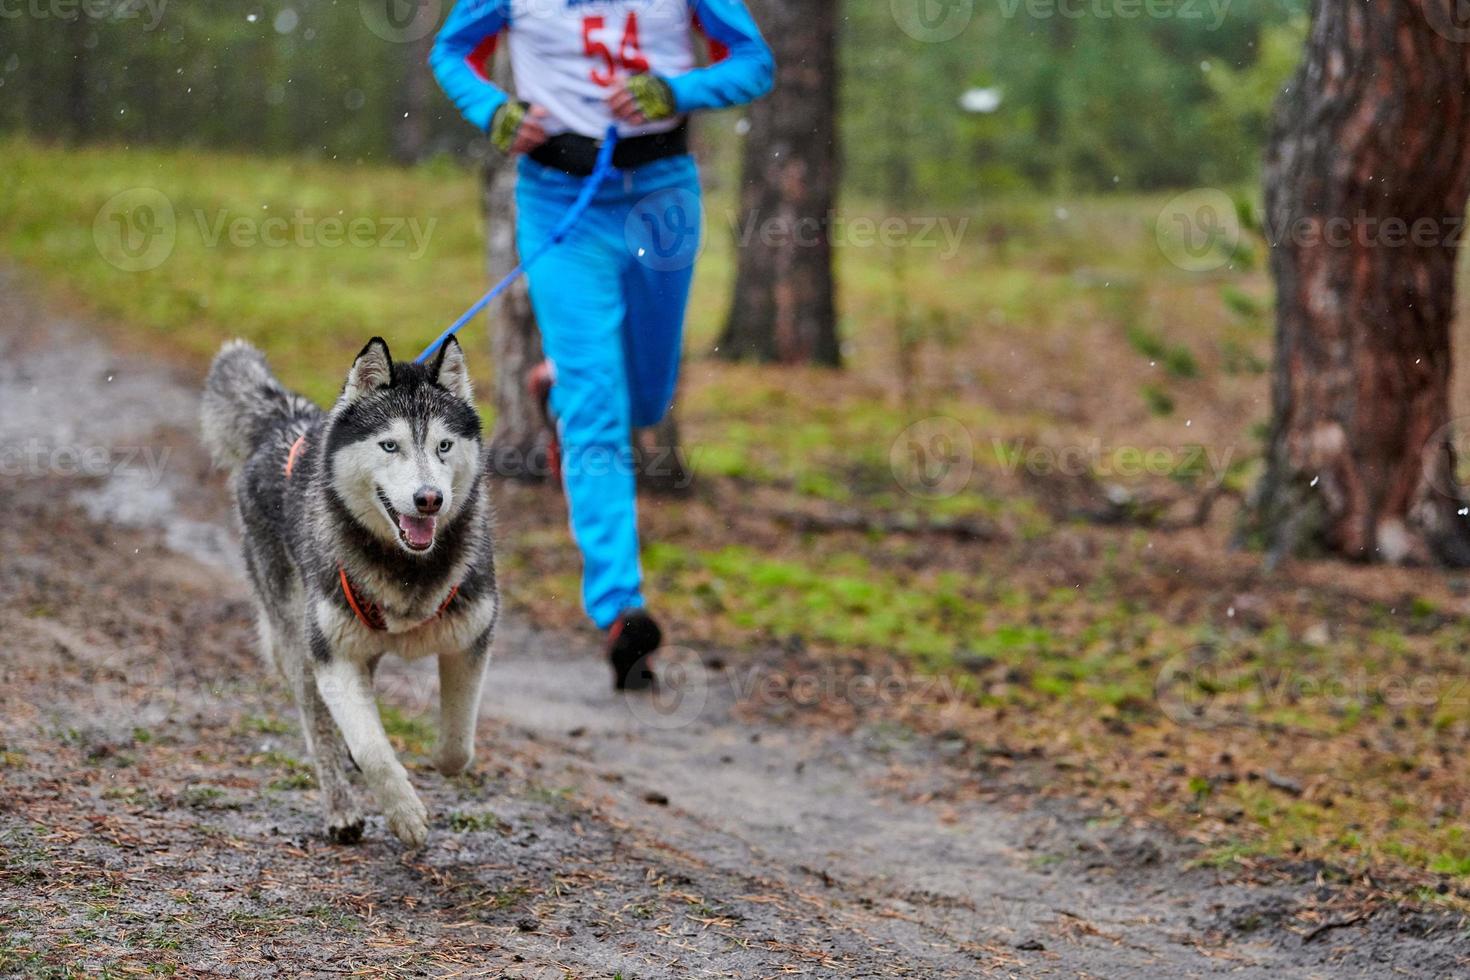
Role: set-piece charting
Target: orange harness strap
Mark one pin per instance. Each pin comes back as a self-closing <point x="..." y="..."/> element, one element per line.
<point x="368" y="613"/>
<point x="372" y="617"/>
<point x="296" y="448"/>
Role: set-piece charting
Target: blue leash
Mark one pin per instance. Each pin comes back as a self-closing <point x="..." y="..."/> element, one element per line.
<point x="569" y="220"/>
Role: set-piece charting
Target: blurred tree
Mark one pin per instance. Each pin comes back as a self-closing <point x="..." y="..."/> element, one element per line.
<point x="1366" y="181"/>
<point x="411" y="124"/>
<point x="312" y="77"/>
<point x="783" y="307"/>
<point x="519" y="441"/>
<point x="78" y="98"/>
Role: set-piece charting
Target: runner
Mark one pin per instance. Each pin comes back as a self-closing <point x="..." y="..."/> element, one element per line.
<point x="610" y="302"/>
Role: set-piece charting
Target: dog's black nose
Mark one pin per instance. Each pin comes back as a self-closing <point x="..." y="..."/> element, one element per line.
<point x="428" y="500"/>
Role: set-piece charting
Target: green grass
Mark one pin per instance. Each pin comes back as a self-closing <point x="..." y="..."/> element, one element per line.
<point x="310" y="306"/>
<point x="409" y="733"/>
<point x="464" y="822"/>
<point x="842" y="602"/>
<point x="1175" y="358"/>
<point x="268" y="725"/>
<point x="206" y="798"/>
<point x="310" y="303"/>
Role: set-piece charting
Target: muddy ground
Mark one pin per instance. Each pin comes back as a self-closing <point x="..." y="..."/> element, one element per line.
<point x="157" y="815"/>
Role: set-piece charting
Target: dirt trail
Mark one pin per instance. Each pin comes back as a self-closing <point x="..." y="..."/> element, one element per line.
<point x="155" y="812"/>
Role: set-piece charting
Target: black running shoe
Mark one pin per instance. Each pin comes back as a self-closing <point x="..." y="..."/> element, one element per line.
<point x="630" y="641"/>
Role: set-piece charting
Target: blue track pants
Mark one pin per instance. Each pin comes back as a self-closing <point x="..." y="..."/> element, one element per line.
<point x="610" y="303"/>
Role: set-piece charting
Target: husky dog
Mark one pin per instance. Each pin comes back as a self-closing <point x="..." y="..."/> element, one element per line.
<point x="366" y="531"/>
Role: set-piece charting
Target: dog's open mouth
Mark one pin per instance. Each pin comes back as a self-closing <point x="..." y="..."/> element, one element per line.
<point x="416" y="533"/>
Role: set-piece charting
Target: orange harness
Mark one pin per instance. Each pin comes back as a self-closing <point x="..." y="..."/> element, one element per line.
<point x="295" y="451"/>
<point x="369" y="614"/>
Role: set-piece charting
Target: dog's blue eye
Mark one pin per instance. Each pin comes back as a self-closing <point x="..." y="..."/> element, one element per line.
<point x="388" y="446"/>
<point x="445" y="445"/>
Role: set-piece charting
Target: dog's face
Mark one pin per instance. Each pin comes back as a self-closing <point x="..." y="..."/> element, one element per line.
<point x="405" y="449"/>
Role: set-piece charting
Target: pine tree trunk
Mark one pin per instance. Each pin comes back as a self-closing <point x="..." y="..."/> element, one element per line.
<point x="519" y="440"/>
<point x="783" y="307"/>
<point x="411" y="121"/>
<point x="518" y="443"/>
<point x="1366" y="178"/>
<point x="660" y="459"/>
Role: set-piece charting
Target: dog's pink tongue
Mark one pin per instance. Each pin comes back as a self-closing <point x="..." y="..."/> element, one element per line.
<point x="418" y="530"/>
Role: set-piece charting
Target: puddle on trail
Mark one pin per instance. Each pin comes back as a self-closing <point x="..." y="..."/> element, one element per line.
<point x="71" y="408"/>
<point x="72" y="392"/>
<point x="135" y="499"/>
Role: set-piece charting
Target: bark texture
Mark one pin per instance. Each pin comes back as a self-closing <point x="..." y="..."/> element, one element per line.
<point x="784" y="307"/>
<point x="518" y="442"/>
<point x="1366" y="178"/>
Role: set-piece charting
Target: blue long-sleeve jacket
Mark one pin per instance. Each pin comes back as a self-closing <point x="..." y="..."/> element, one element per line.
<point x="567" y="54"/>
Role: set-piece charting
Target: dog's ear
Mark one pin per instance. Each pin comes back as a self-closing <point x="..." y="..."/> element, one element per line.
<point x="372" y="370"/>
<point x="451" y="372"/>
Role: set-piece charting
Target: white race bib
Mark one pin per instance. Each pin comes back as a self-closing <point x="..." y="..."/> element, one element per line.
<point x="570" y="55"/>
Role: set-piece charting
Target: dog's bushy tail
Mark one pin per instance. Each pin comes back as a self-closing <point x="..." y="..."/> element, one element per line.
<point x="242" y="401"/>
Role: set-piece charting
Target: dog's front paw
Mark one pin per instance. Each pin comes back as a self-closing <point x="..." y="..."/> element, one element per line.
<point x="408" y="819"/>
<point x="451" y="760"/>
<point x="344" y="828"/>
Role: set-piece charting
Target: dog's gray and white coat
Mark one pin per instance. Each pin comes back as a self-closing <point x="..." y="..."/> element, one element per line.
<point x="366" y="531"/>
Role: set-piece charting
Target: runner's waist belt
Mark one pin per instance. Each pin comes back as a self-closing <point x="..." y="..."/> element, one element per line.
<point x="577" y="155"/>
